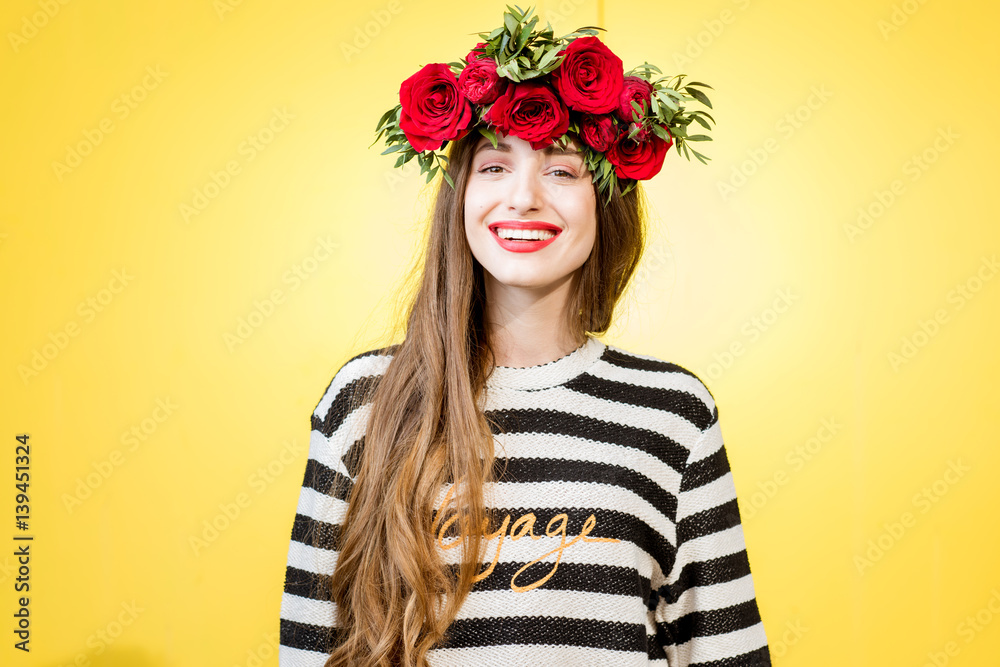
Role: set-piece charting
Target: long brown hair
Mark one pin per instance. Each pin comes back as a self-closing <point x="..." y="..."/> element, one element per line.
<point x="394" y="594"/>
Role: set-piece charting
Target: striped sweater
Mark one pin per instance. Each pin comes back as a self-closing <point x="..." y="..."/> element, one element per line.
<point x="618" y="538"/>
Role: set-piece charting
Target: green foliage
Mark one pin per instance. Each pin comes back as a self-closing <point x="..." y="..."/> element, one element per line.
<point x="520" y="51"/>
<point x="669" y="109"/>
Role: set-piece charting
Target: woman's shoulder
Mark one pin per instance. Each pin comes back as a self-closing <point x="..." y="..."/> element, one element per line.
<point x="360" y="371"/>
<point x="662" y="383"/>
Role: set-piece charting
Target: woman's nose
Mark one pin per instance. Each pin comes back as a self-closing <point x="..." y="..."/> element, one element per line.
<point x="527" y="191"/>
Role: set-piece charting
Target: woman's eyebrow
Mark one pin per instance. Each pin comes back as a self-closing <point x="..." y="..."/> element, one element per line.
<point x="501" y="146"/>
<point x="559" y="150"/>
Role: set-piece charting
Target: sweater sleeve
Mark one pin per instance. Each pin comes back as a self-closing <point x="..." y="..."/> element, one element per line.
<point x="308" y="616"/>
<point x="707" y="613"/>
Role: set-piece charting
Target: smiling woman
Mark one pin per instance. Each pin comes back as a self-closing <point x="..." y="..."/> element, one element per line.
<point x="502" y="487"/>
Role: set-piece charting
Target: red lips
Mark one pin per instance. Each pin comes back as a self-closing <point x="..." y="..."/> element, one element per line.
<point x="517" y="245"/>
<point x="524" y="224"/>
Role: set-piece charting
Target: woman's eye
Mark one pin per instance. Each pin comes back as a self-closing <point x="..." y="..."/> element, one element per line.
<point x="562" y="173"/>
<point x="486" y="170"/>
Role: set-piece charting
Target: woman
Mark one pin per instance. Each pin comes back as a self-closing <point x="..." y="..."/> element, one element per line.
<point x="501" y="487"/>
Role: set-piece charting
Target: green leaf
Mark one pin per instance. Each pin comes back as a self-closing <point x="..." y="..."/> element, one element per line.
<point x="393" y="149"/>
<point x="667" y="101"/>
<point x="549" y="56"/>
<point x="646" y="69"/>
<point x="510" y="23"/>
<point x="515" y="14"/>
<point x="529" y="27"/>
<point x="699" y="83"/>
<point x="699" y="137"/>
<point x="448" y="178"/>
<point x="489" y="134"/>
<point x="502" y="55"/>
<point x="703" y="113"/>
<point x="700" y="96"/>
<point x="521" y="40"/>
<point x="637" y="112"/>
<point x="387" y="116"/>
<point x="701" y="158"/>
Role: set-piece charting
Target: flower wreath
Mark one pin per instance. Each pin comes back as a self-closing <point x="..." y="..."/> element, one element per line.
<point x="542" y="88"/>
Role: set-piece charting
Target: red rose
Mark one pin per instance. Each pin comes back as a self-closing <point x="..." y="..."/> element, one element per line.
<point x="476" y="53"/>
<point x="639" y="159"/>
<point x="480" y="82"/>
<point x="590" y="77"/>
<point x="530" y="111"/>
<point x="599" y="132"/>
<point x="634" y="88"/>
<point x="434" y="109"/>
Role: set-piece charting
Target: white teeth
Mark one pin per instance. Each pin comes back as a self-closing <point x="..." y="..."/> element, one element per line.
<point x="525" y="234"/>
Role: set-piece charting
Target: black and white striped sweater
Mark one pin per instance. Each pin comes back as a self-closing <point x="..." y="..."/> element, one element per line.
<point x="618" y="537"/>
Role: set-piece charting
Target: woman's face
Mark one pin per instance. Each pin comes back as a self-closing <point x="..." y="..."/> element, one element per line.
<point x="514" y="190"/>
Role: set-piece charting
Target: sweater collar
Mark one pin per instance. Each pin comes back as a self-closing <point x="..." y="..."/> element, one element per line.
<point x="550" y="374"/>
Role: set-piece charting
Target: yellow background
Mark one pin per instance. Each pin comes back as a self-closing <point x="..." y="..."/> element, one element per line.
<point x="892" y="77"/>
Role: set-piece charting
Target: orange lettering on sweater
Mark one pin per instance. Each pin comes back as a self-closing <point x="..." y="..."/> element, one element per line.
<point x="523" y="526"/>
